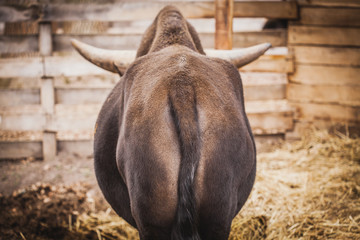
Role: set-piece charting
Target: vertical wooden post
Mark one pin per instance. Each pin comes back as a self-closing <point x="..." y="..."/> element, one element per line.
<point x="47" y="92"/>
<point x="224" y="10"/>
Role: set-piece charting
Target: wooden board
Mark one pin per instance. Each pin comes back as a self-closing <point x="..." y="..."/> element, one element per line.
<point x="22" y="122"/>
<point x="12" y="97"/>
<point x="16" y="150"/>
<point x="86" y="81"/>
<point x="330" y="3"/>
<point x="263" y="86"/>
<point x="276" y="37"/>
<point x="20" y="150"/>
<point x="74" y="65"/>
<point x="345" y="95"/>
<point x="260" y="78"/>
<point x="340" y="17"/>
<point x="21" y="67"/>
<point x="18" y="44"/>
<point x="266" y="9"/>
<point x="78" y="147"/>
<point x="326" y="55"/>
<point x="107" y="41"/>
<point x="328" y="112"/>
<point x="271" y="63"/>
<point x="20" y="136"/>
<point x="323" y="35"/>
<point x="326" y="75"/>
<point x="81" y="95"/>
<point x="271" y="123"/>
<point x="121" y="11"/>
<point x="265" y="92"/>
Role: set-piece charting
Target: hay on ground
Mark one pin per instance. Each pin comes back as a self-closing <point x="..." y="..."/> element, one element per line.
<point x="305" y="190"/>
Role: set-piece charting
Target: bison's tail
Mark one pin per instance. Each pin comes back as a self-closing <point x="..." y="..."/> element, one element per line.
<point x="183" y="110"/>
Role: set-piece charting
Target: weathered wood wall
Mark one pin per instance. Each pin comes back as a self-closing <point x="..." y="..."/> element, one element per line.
<point x="50" y="96"/>
<point x="325" y="41"/>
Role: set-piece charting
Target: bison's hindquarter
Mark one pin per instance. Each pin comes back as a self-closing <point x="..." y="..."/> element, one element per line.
<point x="106" y="135"/>
<point x="227" y="165"/>
<point x="182" y="103"/>
<point x="148" y="154"/>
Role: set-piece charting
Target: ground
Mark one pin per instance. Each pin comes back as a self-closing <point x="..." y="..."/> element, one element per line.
<point x="305" y="190"/>
<point x="66" y="169"/>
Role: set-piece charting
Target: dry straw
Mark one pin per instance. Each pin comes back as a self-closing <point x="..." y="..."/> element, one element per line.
<point x="305" y="190"/>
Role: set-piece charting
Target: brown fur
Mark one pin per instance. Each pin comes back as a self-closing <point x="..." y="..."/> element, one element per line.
<point x="174" y="131"/>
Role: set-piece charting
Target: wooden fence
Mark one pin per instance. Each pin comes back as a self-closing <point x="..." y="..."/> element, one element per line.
<point x="50" y="96"/>
<point x="325" y="41"/>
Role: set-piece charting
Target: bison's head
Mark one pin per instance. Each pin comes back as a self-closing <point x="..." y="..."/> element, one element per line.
<point x="169" y="28"/>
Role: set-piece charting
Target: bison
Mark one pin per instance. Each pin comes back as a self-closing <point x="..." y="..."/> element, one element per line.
<point x="174" y="154"/>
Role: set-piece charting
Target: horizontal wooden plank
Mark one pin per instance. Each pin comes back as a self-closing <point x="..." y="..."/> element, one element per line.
<point x="20" y="136"/>
<point x="122" y="11"/>
<point x="330" y="3"/>
<point x="12" y="97"/>
<point x="328" y="112"/>
<point x="108" y="41"/>
<point x="266" y="9"/>
<point x="17" y="150"/>
<point x="326" y="55"/>
<point x="37" y="136"/>
<point x="271" y="106"/>
<point x="271" y="123"/>
<point x="119" y="11"/>
<point x="81" y="96"/>
<point x="264" y="86"/>
<point x="271" y="63"/>
<point x="326" y="75"/>
<point x="83" y="81"/>
<point x="345" y="95"/>
<point x="340" y="17"/>
<point x="23" y="122"/>
<point x="18" y="44"/>
<point x="73" y="65"/>
<point x="260" y="78"/>
<point x="86" y="81"/>
<point x="265" y="92"/>
<point x="21" y="67"/>
<point x="323" y="35"/>
<point x="76" y="147"/>
<point x="270" y="117"/>
<point x="277" y="38"/>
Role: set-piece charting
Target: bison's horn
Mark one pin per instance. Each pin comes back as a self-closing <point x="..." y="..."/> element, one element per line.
<point x="240" y="57"/>
<point x="112" y="60"/>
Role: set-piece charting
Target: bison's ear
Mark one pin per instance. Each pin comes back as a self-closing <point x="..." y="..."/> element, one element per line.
<point x="240" y="57"/>
<point x="115" y="61"/>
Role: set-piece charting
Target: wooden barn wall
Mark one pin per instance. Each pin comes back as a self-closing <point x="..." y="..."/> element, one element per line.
<point x="50" y="96"/>
<point x="325" y="84"/>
